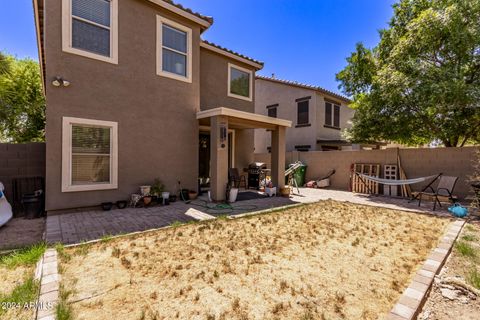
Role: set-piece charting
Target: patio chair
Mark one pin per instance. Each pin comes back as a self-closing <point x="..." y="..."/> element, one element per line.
<point x="445" y="188"/>
<point x="235" y="178"/>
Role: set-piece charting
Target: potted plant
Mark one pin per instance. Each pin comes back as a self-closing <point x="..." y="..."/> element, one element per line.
<point x="285" y="191"/>
<point x="156" y="189"/>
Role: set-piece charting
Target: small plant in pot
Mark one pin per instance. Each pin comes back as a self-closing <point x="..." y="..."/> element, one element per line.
<point x="157" y="189"/>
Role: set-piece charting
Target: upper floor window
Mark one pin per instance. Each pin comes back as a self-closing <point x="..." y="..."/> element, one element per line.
<point x="303" y="112"/>
<point x="272" y="110"/>
<point x="174" y="50"/>
<point x="240" y="82"/>
<point x="90" y="28"/>
<point x="332" y="115"/>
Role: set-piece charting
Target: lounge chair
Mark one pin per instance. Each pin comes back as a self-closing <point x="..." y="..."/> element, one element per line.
<point x="235" y="179"/>
<point x="5" y="207"/>
<point x="444" y="189"/>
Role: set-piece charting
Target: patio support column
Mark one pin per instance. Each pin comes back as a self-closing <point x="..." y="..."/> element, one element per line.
<point x="218" y="157"/>
<point x="278" y="157"/>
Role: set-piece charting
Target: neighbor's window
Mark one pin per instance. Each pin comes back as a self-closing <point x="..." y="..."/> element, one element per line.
<point x="332" y="115"/>
<point x="90" y="28"/>
<point x="174" y="50"/>
<point x="89" y="155"/>
<point x="240" y="82"/>
<point x="302" y="112"/>
<point x="272" y="111"/>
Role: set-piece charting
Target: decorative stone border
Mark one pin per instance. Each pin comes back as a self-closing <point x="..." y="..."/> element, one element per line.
<point x="413" y="298"/>
<point x="47" y="273"/>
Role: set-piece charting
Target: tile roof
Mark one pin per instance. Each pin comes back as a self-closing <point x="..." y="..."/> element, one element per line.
<point x="232" y="52"/>
<point x="306" y="86"/>
<point x="201" y="16"/>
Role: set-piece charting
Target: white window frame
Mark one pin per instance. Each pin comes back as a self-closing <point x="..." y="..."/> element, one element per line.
<point x="67" y="185"/>
<point x="67" y="33"/>
<point x="250" y="91"/>
<point x="160" y="22"/>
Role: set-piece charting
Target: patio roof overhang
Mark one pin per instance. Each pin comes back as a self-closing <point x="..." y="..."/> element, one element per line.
<point x="221" y="119"/>
<point x="242" y="120"/>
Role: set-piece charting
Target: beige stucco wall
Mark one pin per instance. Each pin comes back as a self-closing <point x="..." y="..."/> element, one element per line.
<point x="214" y="83"/>
<point x="346" y="115"/>
<point x="157" y="128"/>
<point x="418" y="162"/>
<point x="270" y="93"/>
<point x="213" y="94"/>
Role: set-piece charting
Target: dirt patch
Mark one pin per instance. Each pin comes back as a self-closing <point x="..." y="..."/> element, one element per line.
<point x="20" y="232"/>
<point x="447" y="300"/>
<point x="332" y="260"/>
<point x="10" y="278"/>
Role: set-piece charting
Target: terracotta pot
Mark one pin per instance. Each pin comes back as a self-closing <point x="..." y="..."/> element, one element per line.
<point x="147" y="200"/>
<point x="285" y="191"/>
<point x="192" y="195"/>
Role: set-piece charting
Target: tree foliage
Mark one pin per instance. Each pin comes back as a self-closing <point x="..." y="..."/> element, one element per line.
<point x="421" y="83"/>
<point x="22" y="105"/>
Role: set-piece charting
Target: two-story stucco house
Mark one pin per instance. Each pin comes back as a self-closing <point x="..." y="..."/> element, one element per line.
<point x="318" y="115"/>
<point x="133" y="93"/>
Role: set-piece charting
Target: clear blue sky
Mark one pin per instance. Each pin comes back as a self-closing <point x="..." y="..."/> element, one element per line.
<point x="305" y="40"/>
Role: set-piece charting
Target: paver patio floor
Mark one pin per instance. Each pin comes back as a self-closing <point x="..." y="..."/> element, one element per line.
<point x="90" y="225"/>
<point x="20" y="232"/>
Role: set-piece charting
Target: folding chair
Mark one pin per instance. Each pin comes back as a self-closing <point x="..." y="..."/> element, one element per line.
<point x="237" y="179"/>
<point x="445" y="188"/>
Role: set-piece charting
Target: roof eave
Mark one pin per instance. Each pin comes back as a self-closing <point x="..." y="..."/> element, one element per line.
<point x="36" y="16"/>
<point x="204" y="23"/>
<point x="255" y="64"/>
<point x="306" y="86"/>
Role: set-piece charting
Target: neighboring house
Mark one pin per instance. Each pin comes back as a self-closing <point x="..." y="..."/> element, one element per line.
<point x="318" y="115"/>
<point x="133" y="93"/>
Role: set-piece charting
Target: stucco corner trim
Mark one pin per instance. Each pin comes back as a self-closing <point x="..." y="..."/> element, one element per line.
<point x="67" y="185"/>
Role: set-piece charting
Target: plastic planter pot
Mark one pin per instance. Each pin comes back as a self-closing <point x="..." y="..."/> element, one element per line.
<point x="121" y="204"/>
<point x="106" y="206"/>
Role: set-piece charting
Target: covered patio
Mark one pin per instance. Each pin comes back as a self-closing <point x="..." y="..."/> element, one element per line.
<point x="220" y="120"/>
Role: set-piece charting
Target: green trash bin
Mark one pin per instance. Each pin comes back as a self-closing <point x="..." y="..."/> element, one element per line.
<point x="299" y="175"/>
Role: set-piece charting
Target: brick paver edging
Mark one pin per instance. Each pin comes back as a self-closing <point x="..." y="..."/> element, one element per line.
<point x="413" y="298"/>
<point x="47" y="274"/>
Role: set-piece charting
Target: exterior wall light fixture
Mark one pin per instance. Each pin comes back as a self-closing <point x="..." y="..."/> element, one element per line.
<point x="58" y="82"/>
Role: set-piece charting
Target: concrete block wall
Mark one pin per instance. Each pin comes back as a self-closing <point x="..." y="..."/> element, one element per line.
<point x="20" y="160"/>
<point x="416" y="162"/>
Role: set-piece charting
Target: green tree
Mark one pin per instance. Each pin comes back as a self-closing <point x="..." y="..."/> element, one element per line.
<point x="421" y="83"/>
<point x="22" y="105"/>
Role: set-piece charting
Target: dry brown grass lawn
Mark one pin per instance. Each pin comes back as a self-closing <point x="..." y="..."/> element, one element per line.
<point x="328" y="260"/>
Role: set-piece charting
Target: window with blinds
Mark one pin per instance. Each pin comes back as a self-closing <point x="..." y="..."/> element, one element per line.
<point x="302" y="112"/>
<point x="272" y="112"/>
<point x="332" y="115"/>
<point x="174" y="50"/>
<point x="91" y="26"/>
<point x="91" y="154"/>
